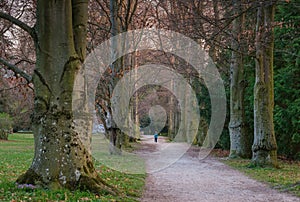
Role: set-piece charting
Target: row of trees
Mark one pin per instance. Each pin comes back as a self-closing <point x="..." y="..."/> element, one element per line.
<point x="239" y="35"/>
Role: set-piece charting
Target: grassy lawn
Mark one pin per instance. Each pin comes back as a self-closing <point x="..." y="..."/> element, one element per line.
<point x="16" y="156"/>
<point x="286" y="178"/>
<point x="128" y="162"/>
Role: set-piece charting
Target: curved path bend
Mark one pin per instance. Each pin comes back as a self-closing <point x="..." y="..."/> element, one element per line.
<point x="208" y="180"/>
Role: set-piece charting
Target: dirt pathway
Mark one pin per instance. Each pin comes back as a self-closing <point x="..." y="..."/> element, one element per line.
<point x="189" y="179"/>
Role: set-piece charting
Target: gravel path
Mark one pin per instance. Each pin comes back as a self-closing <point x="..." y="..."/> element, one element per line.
<point x="190" y="179"/>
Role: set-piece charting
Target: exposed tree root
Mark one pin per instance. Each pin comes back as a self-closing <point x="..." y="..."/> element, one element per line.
<point x="85" y="183"/>
<point x="97" y="185"/>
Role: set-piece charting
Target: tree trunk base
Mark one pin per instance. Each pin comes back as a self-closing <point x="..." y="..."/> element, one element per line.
<point x="233" y="154"/>
<point x="264" y="158"/>
<point x="3" y="135"/>
<point x="85" y="183"/>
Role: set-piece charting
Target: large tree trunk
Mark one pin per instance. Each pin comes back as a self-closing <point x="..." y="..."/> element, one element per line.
<point x="3" y="134"/>
<point x="264" y="147"/>
<point x="240" y="141"/>
<point x="113" y="132"/>
<point x="171" y="114"/>
<point x="61" y="158"/>
<point x="137" y="134"/>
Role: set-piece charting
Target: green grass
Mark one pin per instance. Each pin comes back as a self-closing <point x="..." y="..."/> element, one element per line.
<point x="16" y="156"/>
<point x="285" y="178"/>
<point x="128" y="162"/>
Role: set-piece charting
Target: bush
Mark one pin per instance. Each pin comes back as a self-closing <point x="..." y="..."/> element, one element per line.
<point x="286" y="81"/>
<point x="5" y="126"/>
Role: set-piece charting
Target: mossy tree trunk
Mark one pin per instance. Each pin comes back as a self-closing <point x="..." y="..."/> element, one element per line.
<point x="264" y="146"/>
<point x="3" y="134"/>
<point x="5" y="126"/>
<point x="240" y="141"/>
<point x="62" y="157"/>
<point x="114" y="133"/>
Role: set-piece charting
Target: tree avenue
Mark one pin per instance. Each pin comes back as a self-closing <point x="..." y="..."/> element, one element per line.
<point x="238" y="35"/>
<point x="61" y="159"/>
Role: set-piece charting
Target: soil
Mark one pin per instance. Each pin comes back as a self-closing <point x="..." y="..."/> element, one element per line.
<point x="1" y="140"/>
<point x="190" y="179"/>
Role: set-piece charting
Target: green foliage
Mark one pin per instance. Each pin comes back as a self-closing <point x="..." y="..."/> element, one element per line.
<point x="5" y="121"/>
<point x="287" y="111"/>
<point x="17" y="102"/>
<point x="249" y="96"/>
<point x="145" y="121"/>
<point x="286" y="178"/>
<point x="204" y="103"/>
<point x="16" y="156"/>
<point x="224" y="141"/>
<point x="286" y="80"/>
<point x="286" y="84"/>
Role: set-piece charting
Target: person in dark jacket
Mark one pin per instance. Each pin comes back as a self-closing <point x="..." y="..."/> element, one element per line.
<point x="155" y="136"/>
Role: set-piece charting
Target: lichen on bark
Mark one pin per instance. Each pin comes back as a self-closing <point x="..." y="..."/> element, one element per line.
<point x="62" y="158"/>
<point x="264" y="147"/>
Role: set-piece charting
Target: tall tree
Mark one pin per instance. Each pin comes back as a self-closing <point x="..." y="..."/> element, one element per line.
<point x="264" y="146"/>
<point x="240" y="146"/>
<point x="61" y="159"/>
<point x="113" y="132"/>
<point x="121" y="15"/>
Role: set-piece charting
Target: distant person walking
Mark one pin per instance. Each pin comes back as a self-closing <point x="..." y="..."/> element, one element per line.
<point x="155" y="136"/>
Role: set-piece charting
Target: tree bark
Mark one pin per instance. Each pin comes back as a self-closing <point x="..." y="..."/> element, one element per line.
<point x="113" y="131"/>
<point x="3" y="134"/>
<point x="61" y="158"/>
<point x="240" y="141"/>
<point x="137" y="134"/>
<point x="171" y="114"/>
<point x="264" y="147"/>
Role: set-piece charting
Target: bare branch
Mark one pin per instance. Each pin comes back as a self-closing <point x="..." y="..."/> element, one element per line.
<point x="16" y="70"/>
<point x="20" y="24"/>
<point x="105" y="11"/>
<point x="98" y="26"/>
<point x="14" y="87"/>
<point x="25" y="60"/>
